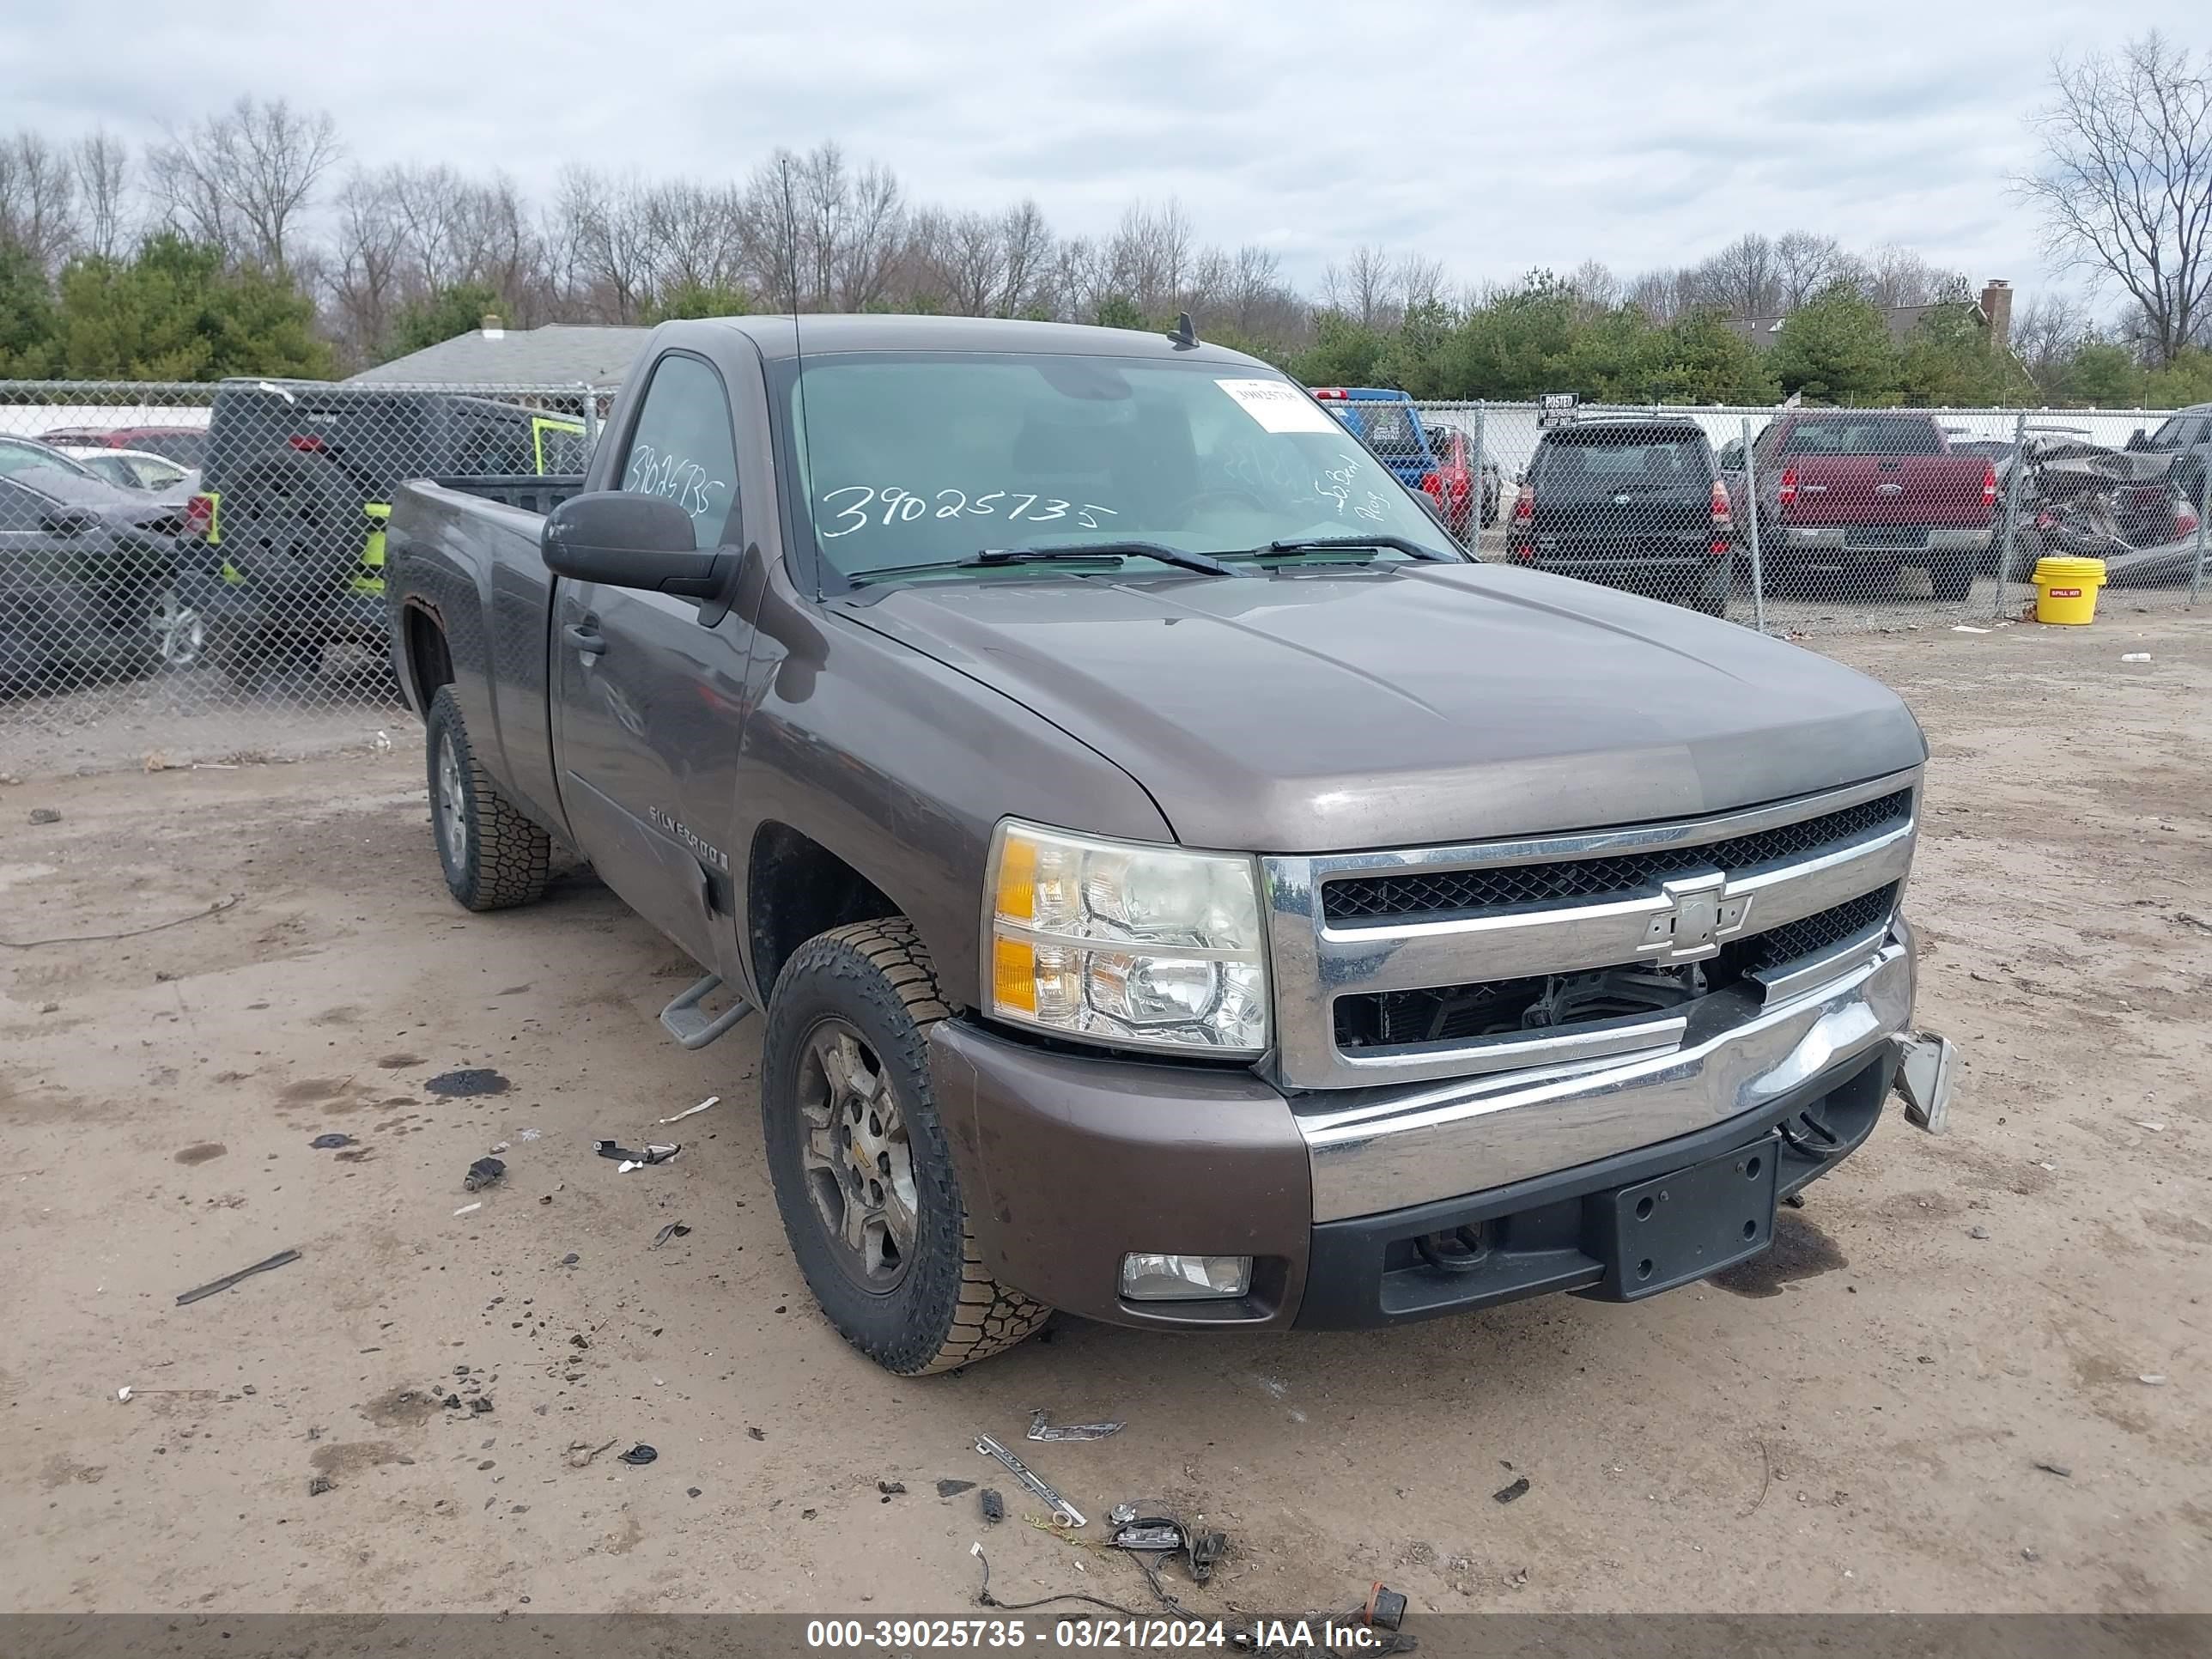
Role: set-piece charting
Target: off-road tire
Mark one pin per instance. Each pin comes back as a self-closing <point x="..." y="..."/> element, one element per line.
<point x="947" y="1311"/>
<point x="258" y="660"/>
<point x="504" y="859"/>
<point x="1951" y="579"/>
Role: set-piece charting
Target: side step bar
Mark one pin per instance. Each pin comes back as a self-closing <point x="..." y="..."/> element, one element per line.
<point x="695" y="1029"/>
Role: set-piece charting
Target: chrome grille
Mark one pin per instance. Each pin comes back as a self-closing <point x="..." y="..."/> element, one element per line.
<point x="1419" y="990"/>
<point x="1585" y="880"/>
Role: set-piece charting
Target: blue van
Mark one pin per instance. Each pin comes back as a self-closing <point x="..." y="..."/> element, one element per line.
<point x="1387" y="423"/>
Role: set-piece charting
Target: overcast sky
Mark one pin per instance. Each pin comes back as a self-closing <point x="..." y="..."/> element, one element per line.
<point x="1495" y="136"/>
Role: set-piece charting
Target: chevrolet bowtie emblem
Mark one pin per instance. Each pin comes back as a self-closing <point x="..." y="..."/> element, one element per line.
<point x="1699" y="914"/>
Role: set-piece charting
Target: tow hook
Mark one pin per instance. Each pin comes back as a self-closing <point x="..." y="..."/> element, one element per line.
<point x="1925" y="1064"/>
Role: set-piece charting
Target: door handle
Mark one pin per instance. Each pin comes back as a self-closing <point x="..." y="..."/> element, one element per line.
<point x="586" y="639"/>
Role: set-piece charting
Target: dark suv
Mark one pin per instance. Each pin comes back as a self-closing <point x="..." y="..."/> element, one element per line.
<point x="296" y="491"/>
<point x="2185" y="435"/>
<point x="1633" y="501"/>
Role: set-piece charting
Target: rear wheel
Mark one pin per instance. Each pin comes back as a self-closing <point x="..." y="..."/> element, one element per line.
<point x="863" y="1177"/>
<point x="257" y="660"/>
<point x="1952" y="579"/>
<point x="178" y="634"/>
<point x="493" y="856"/>
<point x="1712" y="595"/>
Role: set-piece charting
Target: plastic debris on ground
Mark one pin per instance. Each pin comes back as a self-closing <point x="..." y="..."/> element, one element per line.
<point x="467" y="1082"/>
<point x="639" y="1455"/>
<point x="1385" y="1607"/>
<point x="324" y="1143"/>
<point x="994" y="1506"/>
<point x="693" y="1111"/>
<point x="1507" y="1494"/>
<point x="673" y="1229"/>
<point x="483" y="1173"/>
<point x="2134" y="656"/>
<point x="1039" y="1430"/>
<point x="470" y="1209"/>
<point x="1064" y="1514"/>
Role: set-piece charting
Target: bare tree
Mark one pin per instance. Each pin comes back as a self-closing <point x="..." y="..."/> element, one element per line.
<point x="874" y="232"/>
<point x="775" y="226"/>
<point x="1360" y="286"/>
<point x="1419" y="281"/>
<point x="2125" y="184"/>
<point x="1895" y="276"/>
<point x="240" y="180"/>
<point x="103" y="167"/>
<point x="38" y="198"/>
<point x="366" y="269"/>
<point x="1659" y="295"/>
<point x="2046" y="331"/>
<point x="1805" y="263"/>
<point x="1595" y="287"/>
<point x="1742" y="279"/>
<point x="606" y="238"/>
<point x="1027" y="243"/>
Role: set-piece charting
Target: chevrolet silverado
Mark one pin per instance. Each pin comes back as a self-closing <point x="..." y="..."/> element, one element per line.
<point x="1182" y="887"/>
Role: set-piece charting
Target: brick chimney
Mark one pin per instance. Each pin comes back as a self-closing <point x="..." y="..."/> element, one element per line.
<point x="1997" y="306"/>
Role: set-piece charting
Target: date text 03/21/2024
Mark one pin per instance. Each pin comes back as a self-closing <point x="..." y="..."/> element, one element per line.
<point x="1088" y="1633"/>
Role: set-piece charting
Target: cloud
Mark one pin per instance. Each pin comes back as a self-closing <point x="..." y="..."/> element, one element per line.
<point x="1494" y="137"/>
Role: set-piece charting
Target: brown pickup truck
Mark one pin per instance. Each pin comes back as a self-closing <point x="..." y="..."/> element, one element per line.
<point x="1847" y="497"/>
<point x="1183" y="888"/>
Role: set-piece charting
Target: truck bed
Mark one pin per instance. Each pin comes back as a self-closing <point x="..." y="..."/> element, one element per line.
<point x="473" y="540"/>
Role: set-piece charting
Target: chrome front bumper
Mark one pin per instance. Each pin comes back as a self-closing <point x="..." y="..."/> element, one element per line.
<point x="1385" y="1149"/>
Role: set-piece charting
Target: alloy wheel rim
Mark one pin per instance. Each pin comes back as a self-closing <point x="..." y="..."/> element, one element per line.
<point x="179" y="636"/>
<point x="857" y="1156"/>
<point x="452" y="820"/>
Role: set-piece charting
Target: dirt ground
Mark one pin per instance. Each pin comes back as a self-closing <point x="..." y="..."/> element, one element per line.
<point x="1865" y="1419"/>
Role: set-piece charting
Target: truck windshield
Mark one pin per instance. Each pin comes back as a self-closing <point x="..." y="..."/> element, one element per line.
<point x="918" y="458"/>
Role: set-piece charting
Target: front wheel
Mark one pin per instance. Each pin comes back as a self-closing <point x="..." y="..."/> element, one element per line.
<point x="870" y="1199"/>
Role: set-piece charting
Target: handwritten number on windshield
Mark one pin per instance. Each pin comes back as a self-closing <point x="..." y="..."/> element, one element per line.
<point x="849" y="508"/>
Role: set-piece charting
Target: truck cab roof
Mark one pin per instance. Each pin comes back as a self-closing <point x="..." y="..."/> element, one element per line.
<point x="780" y="336"/>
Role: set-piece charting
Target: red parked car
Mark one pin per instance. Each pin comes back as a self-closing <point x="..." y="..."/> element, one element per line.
<point x="1458" y="491"/>
<point x="184" y="444"/>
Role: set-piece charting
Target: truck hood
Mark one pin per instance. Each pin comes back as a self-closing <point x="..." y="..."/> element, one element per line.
<point x="1342" y="709"/>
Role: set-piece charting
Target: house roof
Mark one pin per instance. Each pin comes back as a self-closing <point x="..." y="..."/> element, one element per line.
<point x="1902" y="321"/>
<point x="558" y="354"/>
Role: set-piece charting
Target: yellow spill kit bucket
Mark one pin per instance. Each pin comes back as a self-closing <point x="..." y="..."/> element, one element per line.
<point x="2066" y="589"/>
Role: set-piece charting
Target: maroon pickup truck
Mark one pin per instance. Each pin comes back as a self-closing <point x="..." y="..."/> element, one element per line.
<point x="1851" y="496"/>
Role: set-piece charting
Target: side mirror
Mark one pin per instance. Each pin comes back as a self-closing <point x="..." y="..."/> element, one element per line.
<point x="626" y="539"/>
<point x="1430" y="505"/>
<point x="2137" y="441"/>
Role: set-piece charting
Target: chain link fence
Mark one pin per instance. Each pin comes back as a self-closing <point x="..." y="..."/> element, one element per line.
<point x="1806" y="520"/>
<point x="193" y="573"/>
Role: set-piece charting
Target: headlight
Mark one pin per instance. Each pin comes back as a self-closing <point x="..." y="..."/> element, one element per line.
<point x="1125" y="942"/>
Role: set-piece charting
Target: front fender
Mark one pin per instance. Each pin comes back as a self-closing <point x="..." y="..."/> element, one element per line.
<point x="903" y="767"/>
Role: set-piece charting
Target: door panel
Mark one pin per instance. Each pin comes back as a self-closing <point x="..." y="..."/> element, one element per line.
<point x="650" y="704"/>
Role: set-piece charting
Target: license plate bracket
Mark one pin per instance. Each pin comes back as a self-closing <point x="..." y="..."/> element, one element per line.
<point x="1687" y="1225"/>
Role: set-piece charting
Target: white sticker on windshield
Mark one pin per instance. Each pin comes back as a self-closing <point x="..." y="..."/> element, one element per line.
<point x="1278" y="406"/>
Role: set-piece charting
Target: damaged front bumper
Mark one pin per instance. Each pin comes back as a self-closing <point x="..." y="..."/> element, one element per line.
<point x="1424" y="1201"/>
<point x="1924" y="1066"/>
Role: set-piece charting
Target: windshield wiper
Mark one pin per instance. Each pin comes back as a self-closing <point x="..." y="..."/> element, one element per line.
<point x="1323" y="544"/>
<point x="1075" y="553"/>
